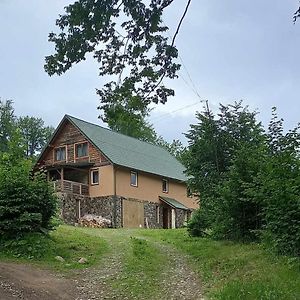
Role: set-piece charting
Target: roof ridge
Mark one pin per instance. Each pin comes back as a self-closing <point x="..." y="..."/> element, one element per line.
<point x="116" y="132"/>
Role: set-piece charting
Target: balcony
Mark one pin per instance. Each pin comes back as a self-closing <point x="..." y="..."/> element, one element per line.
<point x="73" y="187"/>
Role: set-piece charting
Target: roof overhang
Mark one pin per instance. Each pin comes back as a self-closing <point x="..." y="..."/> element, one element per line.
<point x="173" y="203"/>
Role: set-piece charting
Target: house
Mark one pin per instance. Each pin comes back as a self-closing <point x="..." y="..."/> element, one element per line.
<point x="98" y="171"/>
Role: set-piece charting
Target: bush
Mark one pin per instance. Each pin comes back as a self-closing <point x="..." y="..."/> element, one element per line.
<point x="198" y="224"/>
<point x="27" y="202"/>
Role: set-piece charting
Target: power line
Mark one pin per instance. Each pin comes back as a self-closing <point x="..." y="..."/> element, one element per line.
<point x="161" y="117"/>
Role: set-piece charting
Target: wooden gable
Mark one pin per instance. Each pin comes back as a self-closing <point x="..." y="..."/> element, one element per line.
<point x="69" y="136"/>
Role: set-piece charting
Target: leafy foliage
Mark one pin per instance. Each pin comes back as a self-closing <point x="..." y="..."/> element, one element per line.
<point x="120" y="34"/>
<point x="35" y="134"/>
<point x="7" y="123"/>
<point x="27" y="202"/>
<point x="222" y="160"/>
<point x="32" y="132"/>
<point x="129" y="41"/>
<point x="280" y="188"/>
<point x="248" y="179"/>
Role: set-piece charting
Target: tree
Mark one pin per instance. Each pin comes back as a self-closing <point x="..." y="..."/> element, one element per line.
<point x="279" y="189"/>
<point x="35" y="134"/>
<point x="175" y="147"/>
<point x="27" y="202"/>
<point x="222" y="161"/>
<point x="129" y="41"/>
<point x="7" y="123"/>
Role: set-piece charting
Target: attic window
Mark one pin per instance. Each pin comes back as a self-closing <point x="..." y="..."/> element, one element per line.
<point x="165" y="186"/>
<point x="133" y="178"/>
<point x="60" y="154"/>
<point x="81" y="150"/>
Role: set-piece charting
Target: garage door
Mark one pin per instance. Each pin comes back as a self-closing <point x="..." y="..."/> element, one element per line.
<point x="133" y="214"/>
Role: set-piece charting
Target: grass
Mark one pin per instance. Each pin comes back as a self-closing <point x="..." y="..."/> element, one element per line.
<point x="66" y="241"/>
<point x="227" y="270"/>
<point x="142" y="268"/>
<point x="236" y="271"/>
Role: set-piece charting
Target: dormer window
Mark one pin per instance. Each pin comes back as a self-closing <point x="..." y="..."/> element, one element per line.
<point x="165" y="186"/>
<point x="81" y="150"/>
<point x="60" y="153"/>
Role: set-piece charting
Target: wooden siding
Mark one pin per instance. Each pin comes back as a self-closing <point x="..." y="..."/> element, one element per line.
<point x="68" y="136"/>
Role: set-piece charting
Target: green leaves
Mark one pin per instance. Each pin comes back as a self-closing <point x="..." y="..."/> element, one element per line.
<point x="248" y="179"/>
<point x="129" y="42"/>
<point x="26" y="204"/>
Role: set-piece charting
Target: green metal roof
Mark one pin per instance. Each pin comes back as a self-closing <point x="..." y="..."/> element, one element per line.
<point x="173" y="202"/>
<point x="129" y="152"/>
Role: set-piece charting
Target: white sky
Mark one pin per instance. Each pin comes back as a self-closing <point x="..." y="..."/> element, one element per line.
<point x="232" y="50"/>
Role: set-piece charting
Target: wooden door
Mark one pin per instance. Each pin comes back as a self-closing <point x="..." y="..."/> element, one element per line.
<point x="133" y="214"/>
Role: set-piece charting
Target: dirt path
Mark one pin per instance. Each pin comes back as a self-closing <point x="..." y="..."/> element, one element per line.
<point x="25" y="282"/>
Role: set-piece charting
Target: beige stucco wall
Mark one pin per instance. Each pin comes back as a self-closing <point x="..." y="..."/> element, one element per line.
<point x="106" y="179"/>
<point x="150" y="187"/>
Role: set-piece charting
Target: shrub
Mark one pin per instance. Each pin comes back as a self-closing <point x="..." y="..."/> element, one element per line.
<point x="27" y="202"/>
<point x="199" y="223"/>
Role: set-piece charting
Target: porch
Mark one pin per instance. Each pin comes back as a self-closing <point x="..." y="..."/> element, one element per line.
<point x="70" y="178"/>
<point x="73" y="187"/>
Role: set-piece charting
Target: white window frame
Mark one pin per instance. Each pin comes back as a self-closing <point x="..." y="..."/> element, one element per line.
<point x="136" y="178"/>
<point x="167" y="185"/>
<point x="92" y="172"/>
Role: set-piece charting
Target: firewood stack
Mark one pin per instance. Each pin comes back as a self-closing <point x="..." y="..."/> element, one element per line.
<point x="94" y="221"/>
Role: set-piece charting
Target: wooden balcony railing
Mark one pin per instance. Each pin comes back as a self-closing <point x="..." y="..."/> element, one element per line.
<point x="71" y="187"/>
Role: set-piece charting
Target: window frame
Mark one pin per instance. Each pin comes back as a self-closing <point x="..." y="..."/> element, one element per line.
<point x="75" y="150"/>
<point x="136" y="178"/>
<point x="91" y="176"/>
<point x="54" y="153"/>
<point x="167" y="185"/>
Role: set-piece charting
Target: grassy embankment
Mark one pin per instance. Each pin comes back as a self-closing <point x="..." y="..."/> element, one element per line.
<point x="66" y="242"/>
<point x="227" y="270"/>
<point x="236" y="271"/>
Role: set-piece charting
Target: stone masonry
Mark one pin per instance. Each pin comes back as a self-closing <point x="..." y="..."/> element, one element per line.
<point x="73" y="206"/>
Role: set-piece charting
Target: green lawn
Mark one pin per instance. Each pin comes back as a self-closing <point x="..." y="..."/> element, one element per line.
<point x="66" y="241"/>
<point x="236" y="271"/>
<point x="227" y="270"/>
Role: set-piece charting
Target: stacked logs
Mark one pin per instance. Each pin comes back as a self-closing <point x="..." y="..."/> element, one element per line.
<point x="94" y="221"/>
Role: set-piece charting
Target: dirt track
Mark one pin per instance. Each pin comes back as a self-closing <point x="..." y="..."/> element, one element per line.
<point x="24" y="282"/>
<point x="27" y="282"/>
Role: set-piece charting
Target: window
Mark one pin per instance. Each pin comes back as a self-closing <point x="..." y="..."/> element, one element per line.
<point x="165" y="185"/>
<point x="81" y="150"/>
<point x="60" y="153"/>
<point x="133" y="178"/>
<point x="94" y="176"/>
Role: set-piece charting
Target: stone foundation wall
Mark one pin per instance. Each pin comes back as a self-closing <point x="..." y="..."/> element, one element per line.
<point x="73" y="206"/>
<point x="181" y="217"/>
<point x="154" y="214"/>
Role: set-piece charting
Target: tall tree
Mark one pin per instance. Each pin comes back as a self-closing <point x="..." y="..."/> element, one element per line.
<point x="129" y="40"/>
<point x="222" y="161"/>
<point x="279" y="188"/>
<point x="35" y="134"/>
<point x="7" y="123"/>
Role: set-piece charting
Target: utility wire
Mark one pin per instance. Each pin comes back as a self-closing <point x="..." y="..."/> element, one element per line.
<point x="161" y="117"/>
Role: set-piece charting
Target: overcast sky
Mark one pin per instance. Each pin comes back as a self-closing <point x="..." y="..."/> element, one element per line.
<point x="231" y="50"/>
